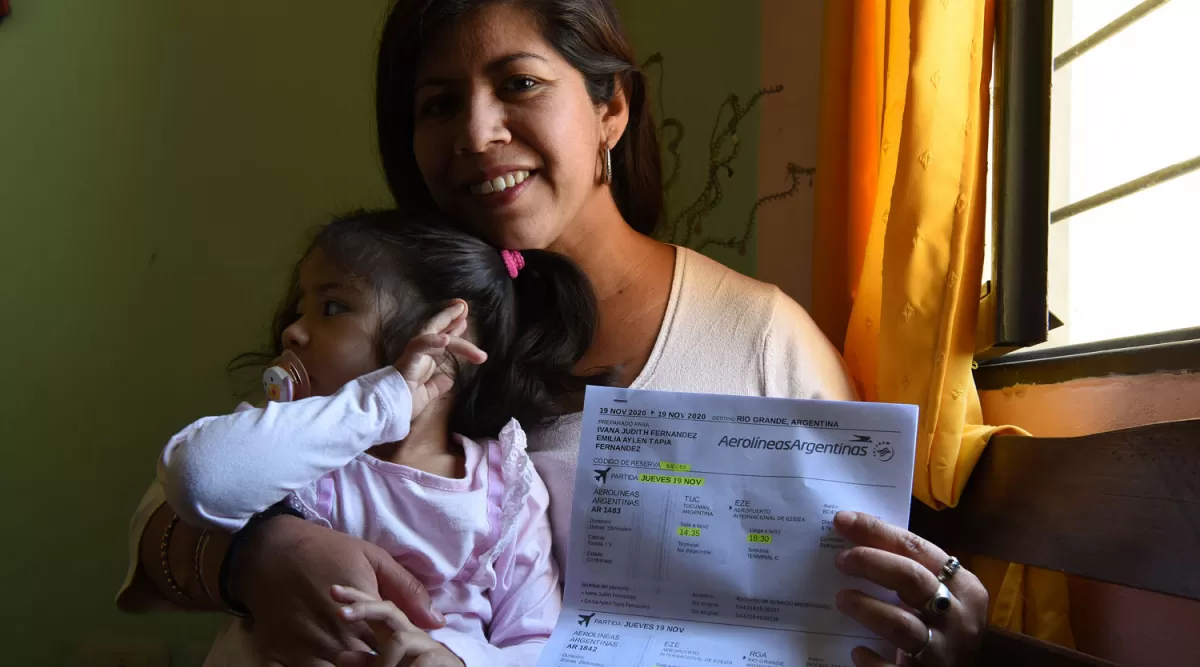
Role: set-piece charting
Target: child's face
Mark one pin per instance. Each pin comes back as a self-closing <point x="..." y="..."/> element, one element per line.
<point x="334" y="335"/>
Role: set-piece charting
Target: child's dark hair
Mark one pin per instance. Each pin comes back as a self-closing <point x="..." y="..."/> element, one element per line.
<point x="535" y="328"/>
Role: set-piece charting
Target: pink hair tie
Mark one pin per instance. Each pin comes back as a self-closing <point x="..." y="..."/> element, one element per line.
<point x="514" y="261"/>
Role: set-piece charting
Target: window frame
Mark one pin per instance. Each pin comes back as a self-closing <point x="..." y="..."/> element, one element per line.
<point x="1014" y="309"/>
<point x="1014" y="312"/>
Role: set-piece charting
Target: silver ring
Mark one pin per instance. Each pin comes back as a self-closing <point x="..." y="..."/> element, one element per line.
<point x="928" y="640"/>
<point x="950" y="569"/>
<point x="938" y="604"/>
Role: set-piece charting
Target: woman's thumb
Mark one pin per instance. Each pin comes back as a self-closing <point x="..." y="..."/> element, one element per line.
<point x="399" y="586"/>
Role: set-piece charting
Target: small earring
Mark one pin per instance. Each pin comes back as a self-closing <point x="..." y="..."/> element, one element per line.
<point x="607" y="166"/>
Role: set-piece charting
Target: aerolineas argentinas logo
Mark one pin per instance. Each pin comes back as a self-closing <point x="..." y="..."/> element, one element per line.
<point x="881" y="450"/>
<point x="860" y="445"/>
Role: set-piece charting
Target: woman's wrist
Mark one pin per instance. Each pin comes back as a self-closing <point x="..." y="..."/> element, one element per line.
<point x="231" y="570"/>
<point x="178" y="559"/>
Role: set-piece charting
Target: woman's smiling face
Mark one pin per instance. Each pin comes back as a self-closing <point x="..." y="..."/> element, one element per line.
<point x="505" y="134"/>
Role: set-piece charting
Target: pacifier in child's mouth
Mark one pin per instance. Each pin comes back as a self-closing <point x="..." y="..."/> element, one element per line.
<point x="285" y="379"/>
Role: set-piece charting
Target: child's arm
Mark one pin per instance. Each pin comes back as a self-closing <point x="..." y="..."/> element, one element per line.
<point x="220" y="471"/>
<point x="526" y="600"/>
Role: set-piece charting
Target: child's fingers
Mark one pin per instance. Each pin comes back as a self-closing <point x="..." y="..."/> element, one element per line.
<point x="466" y="349"/>
<point x="414" y="363"/>
<point x="442" y="322"/>
<point x="459" y="326"/>
<point x="349" y="594"/>
<point x="431" y="345"/>
<point x="438" y="386"/>
<point x="434" y="346"/>
<point x="379" y="611"/>
<point x="398" y="638"/>
<point x="406" y="648"/>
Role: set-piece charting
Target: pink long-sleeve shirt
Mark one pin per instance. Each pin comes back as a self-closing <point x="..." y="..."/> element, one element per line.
<point x="480" y="544"/>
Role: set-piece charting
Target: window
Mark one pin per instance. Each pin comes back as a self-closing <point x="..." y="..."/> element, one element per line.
<point x="1124" y="167"/>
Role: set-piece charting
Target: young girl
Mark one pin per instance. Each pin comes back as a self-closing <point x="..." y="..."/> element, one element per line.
<point x="401" y="445"/>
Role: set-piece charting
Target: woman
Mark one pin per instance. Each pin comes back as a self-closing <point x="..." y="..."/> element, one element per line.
<point x="469" y="94"/>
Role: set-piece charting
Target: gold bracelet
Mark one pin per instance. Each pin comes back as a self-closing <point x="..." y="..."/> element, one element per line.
<point x="166" y="565"/>
<point x="198" y="563"/>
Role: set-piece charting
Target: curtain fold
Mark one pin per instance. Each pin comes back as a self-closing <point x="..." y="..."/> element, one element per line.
<point x="898" y="241"/>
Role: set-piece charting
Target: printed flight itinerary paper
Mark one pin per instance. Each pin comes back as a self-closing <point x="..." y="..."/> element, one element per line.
<point x="702" y="533"/>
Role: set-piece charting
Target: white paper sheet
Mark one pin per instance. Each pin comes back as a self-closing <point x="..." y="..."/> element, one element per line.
<point x="701" y="530"/>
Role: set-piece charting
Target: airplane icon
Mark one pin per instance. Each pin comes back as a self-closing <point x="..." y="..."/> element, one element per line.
<point x="586" y="619"/>
<point x="862" y="438"/>
<point x="602" y="475"/>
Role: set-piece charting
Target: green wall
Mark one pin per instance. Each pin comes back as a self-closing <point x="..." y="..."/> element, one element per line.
<point x="159" y="163"/>
<point x="711" y="49"/>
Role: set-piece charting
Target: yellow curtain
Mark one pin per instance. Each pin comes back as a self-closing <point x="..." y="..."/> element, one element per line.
<point x="900" y="203"/>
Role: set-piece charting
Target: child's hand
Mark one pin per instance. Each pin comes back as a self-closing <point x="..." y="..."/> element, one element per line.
<point x="426" y="363"/>
<point x="398" y="641"/>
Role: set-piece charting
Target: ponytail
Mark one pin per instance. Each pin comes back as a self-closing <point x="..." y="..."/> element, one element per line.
<point x="552" y="311"/>
<point x="556" y="315"/>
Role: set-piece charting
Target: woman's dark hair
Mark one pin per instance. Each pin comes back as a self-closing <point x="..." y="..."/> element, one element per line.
<point x="586" y="33"/>
<point x="535" y="328"/>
